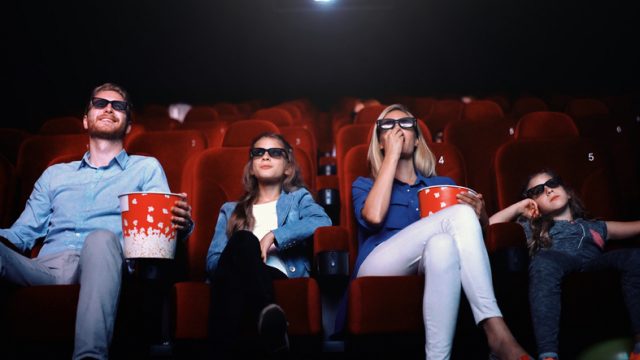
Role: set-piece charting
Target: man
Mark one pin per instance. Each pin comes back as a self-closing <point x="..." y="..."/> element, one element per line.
<point x="75" y="207"/>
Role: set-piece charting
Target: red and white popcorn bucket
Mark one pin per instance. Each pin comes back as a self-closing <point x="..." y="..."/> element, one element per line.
<point x="435" y="198"/>
<point x="146" y="224"/>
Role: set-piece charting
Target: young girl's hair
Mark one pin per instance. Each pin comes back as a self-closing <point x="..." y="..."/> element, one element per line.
<point x="423" y="158"/>
<point x="242" y="217"/>
<point x="540" y="225"/>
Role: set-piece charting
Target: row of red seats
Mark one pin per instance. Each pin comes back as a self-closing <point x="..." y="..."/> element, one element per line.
<point x="476" y="142"/>
<point x="209" y="187"/>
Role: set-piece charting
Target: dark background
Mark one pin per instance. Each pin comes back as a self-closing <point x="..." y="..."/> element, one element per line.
<point x="233" y="50"/>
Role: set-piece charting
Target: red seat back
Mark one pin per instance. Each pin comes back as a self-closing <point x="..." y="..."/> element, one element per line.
<point x="478" y="142"/>
<point x="201" y="113"/>
<point x="591" y="116"/>
<point x="579" y="162"/>
<point x="450" y="162"/>
<point x="280" y="117"/>
<point x="172" y="149"/>
<point x="35" y="154"/>
<point x="227" y="111"/>
<point x="545" y="125"/>
<point x="421" y="106"/>
<point x="527" y="104"/>
<point x="369" y="114"/>
<point x="211" y="178"/>
<point x="214" y="131"/>
<point x="443" y="112"/>
<point x="303" y="138"/>
<point x="355" y="165"/>
<point x="482" y="110"/>
<point x="241" y="133"/>
<point x="62" y="125"/>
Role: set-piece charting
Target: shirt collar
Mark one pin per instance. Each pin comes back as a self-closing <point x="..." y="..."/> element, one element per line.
<point x="121" y="159"/>
<point x="420" y="181"/>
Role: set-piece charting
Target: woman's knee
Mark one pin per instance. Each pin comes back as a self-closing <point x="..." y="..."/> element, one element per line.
<point x="464" y="212"/>
<point x="440" y="253"/>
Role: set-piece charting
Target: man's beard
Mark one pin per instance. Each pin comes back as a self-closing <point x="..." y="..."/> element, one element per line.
<point x="116" y="134"/>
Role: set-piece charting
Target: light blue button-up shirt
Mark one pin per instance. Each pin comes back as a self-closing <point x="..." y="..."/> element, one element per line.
<point x="73" y="199"/>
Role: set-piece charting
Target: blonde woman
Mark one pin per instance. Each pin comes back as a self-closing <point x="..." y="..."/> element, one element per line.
<point x="447" y="247"/>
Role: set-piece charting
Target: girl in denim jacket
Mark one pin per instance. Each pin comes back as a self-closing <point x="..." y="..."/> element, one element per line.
<point x="262" y="237"/>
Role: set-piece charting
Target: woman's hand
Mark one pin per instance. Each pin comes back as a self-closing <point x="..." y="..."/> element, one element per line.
<point x="392" y="141"/>
<point x="181" y="212"/>
<point x="265" y="244"/>
<point x="477" y="203"/>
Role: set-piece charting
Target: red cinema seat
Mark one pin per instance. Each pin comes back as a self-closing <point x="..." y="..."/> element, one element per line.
<point x="242" y="132"/>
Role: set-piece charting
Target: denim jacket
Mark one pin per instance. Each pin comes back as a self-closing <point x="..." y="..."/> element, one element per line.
<point x="298" y="217"/>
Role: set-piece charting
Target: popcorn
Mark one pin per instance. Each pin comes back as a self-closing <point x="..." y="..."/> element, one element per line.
<point x="152" y="243"/>
<point x="146" y="235"/>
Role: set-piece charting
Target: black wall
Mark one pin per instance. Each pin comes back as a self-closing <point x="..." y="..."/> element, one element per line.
<point x="206" y="51"/>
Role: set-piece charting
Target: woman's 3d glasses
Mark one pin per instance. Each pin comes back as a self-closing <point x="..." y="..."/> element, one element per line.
<point x="405" y="123"/>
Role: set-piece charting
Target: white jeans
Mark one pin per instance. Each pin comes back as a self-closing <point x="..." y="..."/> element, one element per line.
<point x="448" y="248"/>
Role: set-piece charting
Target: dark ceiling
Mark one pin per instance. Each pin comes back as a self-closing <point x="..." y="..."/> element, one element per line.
<point x="207" y="51"/>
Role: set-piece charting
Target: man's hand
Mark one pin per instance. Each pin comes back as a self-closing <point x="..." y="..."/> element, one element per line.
<point x="181" y="212"/>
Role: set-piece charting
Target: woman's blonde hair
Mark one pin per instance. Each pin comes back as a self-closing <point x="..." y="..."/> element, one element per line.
<point x="423" y="159"/>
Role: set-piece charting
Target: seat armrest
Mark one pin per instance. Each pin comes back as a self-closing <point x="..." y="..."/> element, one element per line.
<point x="507" y="247"/>
<point x="504" y="235"/>
<point x="331" y="251"/>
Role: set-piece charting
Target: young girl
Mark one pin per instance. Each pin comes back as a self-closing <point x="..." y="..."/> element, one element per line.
<point x="562" y="241"/>
<point x="263" y="237"/>
<point x="447" y="247"/>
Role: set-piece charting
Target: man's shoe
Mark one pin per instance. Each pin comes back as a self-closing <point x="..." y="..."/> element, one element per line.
<point x="272" y="329"/>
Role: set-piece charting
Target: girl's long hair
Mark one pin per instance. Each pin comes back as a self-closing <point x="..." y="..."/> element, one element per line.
<point x="540" y="226"/>
<point x="423" y="159"/>
<point x="242" y="217"/>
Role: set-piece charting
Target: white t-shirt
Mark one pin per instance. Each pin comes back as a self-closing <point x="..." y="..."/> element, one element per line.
<point x="267" y="220"/>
